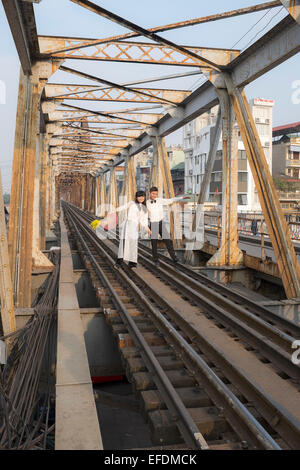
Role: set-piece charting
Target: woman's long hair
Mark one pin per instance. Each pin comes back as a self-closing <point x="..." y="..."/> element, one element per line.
<point x="139" y="194"/>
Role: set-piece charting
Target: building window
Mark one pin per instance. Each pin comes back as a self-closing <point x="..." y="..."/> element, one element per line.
<point x="243" y="176"/>
<point x="242" y="155"/>
<point x="242" y="199"/>
<point x="263" y="129"/>
<point x="216" y="177"/>
<point x="296" y="173"/>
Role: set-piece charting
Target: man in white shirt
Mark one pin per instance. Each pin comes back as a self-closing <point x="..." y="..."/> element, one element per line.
<point x="155" y="206"/>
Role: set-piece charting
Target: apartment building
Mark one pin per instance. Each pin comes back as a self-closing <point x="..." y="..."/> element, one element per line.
<point x="196" y="144"/>
<point x="286" y="151"/>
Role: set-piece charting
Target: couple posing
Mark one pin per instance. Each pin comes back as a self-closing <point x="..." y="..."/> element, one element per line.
<point x="137" y="221"/>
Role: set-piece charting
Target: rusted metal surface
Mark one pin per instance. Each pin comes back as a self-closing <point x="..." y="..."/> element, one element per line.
<point x="229" y="252"/>
<point x="134" y="95"/>
<point x="6" y="292"/>
<point x="148" y="53"/>
<point x="277" y="226"/>
<point x="283" y="40"/>
<point x="276" y="46"/>
<point x="293" y="7"/>
<point x="89" y="116"/>
<point x="77" y="43"/>
<point x="21" y="20"/>
<point x="280" y="43"/>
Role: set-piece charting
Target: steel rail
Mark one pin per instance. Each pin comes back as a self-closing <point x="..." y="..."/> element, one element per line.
<point x="273" y="343"/>
<point x="200" y="279"/>
<point x="186" y="425"/>
<point x="288" y="424"/>
<point x="273" y="412"/>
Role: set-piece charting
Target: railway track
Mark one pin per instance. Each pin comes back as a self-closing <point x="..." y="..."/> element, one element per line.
<point x="189" y="386"/>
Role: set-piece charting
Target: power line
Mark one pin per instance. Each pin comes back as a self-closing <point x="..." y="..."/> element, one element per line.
<point x="263" y="27"/>
<point x="252" y="27"/>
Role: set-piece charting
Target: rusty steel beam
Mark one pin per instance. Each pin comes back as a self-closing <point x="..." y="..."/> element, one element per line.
<point x="150" y="80"/>
<point x="109" y="120"/>
<point x="276" y="46"/>
<point x="87" y="148"/>
<point x="293" y="7"/>
<point x="130" y="133"/>
<point x="116" y="94"/>
<point x="181" y="24"/>
<point x="97" y="113"/>
<point x="140" y="91"/>
<point x="229" y="253"/>
<point x="148" y="53"/>
<point x="81" y="116"/>
<point x="93" y="144"/>
<point x="21" y="20"/>
<point x="6" y="292"/>
<point x="61" y="151"/>
<point x="144" y="32"/>
<point x="277" y="227"/>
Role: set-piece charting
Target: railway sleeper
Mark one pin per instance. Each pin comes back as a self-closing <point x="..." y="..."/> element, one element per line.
<point x="192" y="397"/>
<point x="152" y="339"/>
<point x="132" y="351"/>
<point x="144" y="327"/>
<point x="209" y="421"/>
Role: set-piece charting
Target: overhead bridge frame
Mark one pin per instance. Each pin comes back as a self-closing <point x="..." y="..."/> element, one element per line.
<point x="227" y="73"/>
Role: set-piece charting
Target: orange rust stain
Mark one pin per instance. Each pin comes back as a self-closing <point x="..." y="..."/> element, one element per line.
<point x="292" y="8"/>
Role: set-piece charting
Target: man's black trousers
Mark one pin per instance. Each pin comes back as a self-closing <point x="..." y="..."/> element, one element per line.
<point x="161" y="229"/>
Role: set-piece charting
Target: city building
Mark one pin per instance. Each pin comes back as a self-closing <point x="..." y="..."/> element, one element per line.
<point x="176" y="155"/>
<point x="142" y="163"/>
<point x="286" y="151"/>
<point x="196" y="144"/>
<point x="286" y="164"/>
<point x="177" y="173"/>
<point x="176" y="159"/>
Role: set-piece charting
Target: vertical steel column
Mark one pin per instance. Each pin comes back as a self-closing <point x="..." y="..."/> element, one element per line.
<point x="86" y="192"/>
<point x="17" y="179"/>
<point x="273" y="214"/>
<point x="97" y="193"/>
<point x="7" y="305"/>
<point x="132" y="178"/>
<point x="44" y="190"/>
<point x="39" y="261"/>
<point x="82" y="191"/>
<point x="155" y="173"/>
<point x="103" y="197"/>
<point x="93" y="195"/>
<point x="215" y="139"/>
<point x="164" y="169"/>
<point x="53" y="195"/>
<point x="113" y="193"/>
<point x="229" y="253"/>
<point x="21" y="220"/>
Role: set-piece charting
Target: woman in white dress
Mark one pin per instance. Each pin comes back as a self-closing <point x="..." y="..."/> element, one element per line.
<point x="135" y="223"/>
